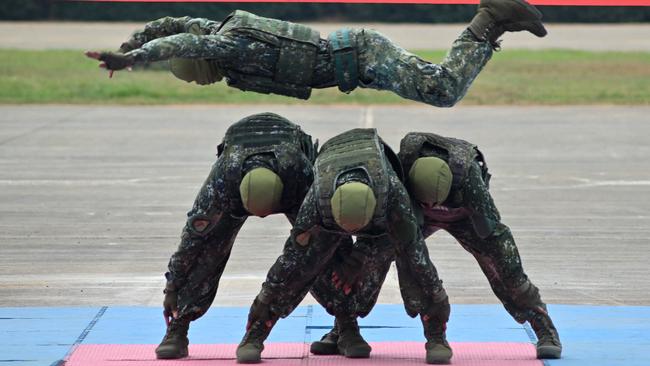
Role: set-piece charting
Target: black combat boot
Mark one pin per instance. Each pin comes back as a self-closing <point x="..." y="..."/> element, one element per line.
<point x="548" y="340"/>
<point x="174" y="344"/>
<point x="251" y="347"/>
<point x="350" y="343"/>
<point x="438" y="349"/>
<point x="327" y="344"/>
<point x="494" y="17"/>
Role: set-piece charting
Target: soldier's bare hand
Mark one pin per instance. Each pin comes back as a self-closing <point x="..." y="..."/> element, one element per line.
<point x="349" y="269"/>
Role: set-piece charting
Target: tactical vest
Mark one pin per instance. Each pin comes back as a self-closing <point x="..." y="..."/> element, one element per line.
<point x="355" y="149"/>
<point x="201" y="71"/>
<point x="267" y="133"/>
<point x="297" y="44"/>
<point x="460" y="154"/>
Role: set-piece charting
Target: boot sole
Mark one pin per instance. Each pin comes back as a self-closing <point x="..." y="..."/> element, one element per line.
<point x="438" y="361"/>
<point x="356" y="353"/>
<point x="549" y="352"/>
<point x="324" y="348"/>
<point x="170" y="355"/>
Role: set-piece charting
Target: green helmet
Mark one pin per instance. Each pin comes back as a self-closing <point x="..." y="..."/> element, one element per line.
<point x="353" y="205"/>
<point x="261" y="191"/>
<point x="430" y="180"/>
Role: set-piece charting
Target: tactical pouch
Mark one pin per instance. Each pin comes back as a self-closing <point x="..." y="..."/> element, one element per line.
<point x="343" y="49"/>
<point x="265" y="85"/>
<point x="297" y="44"/>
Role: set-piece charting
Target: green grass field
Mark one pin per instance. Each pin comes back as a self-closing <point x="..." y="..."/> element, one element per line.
<point x="549" y="77"/>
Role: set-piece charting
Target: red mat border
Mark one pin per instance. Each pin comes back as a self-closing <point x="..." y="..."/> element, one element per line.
<point x="535" y="2"/>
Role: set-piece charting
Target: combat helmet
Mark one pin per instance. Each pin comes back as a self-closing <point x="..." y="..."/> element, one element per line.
<point x="261" y="191"/>
<point x="353" y="206"/>
<point x="430" y="180"/>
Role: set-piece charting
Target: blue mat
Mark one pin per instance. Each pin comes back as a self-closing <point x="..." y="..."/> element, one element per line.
<point x="592" y="335"/>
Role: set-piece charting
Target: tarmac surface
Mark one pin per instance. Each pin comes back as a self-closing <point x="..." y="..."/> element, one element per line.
<point x="96" y="35"/>
<point x="93" y="198"/>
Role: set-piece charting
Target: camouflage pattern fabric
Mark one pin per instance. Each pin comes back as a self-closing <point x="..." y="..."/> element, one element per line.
<point x="385" y="66"/>
<point x="382" y="64"/>
<point x="212" y="226"/>
<point x="496" y="253"/>
<point x="307" y="255"/>
<point x="471" y="217"/>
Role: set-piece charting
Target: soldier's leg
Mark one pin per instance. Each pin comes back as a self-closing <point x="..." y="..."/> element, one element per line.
<point x="386" y="66"/>
<point x="499" y="260"/>
<point x="420" y="286"/>
<point x="345" y="337"/>
<point x="305" y="255"/>
<point x="196" y="267"/>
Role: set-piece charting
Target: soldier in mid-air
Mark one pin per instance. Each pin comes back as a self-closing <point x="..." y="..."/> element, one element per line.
<point x="264" y="166"/>
<point x="448" y="180"/>
<point x="273" y="56"/>
<point x="356" y="191"/>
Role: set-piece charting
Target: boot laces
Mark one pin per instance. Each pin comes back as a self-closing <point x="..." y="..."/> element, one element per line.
<point x="544" y="330"/>
<point x="175" y="331"/>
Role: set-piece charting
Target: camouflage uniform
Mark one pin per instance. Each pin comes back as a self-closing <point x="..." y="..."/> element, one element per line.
<point x="471" y="217"/>
<point x="263" y="140"/>
<point x="315" y="238"/>
<point x="272" y="56"/>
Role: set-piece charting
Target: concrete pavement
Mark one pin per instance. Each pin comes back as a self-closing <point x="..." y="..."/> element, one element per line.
<point x="93" y="198"/>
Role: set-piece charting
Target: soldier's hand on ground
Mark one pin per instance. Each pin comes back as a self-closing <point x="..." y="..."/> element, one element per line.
<point x="260" y="312"/>
<point x="111" y="61"/>
<point x="348" y="269"/>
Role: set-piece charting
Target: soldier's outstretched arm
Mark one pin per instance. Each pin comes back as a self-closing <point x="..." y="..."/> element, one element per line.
<point x="164" y="27"/>
<point x="184" y="45"/>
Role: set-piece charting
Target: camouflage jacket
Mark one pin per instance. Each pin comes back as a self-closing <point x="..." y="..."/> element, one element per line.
<point x="469" y="196"/>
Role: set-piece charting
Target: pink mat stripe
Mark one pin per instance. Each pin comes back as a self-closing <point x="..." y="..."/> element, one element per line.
<point x="384" y="353"/>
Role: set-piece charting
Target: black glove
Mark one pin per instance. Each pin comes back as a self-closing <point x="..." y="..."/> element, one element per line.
<point x="116" y="61"/>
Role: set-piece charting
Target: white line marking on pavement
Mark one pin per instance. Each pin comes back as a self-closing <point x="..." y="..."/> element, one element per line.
<point x="368" y="118"/>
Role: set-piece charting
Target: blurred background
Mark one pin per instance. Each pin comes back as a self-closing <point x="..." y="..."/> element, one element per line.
<point x="407" y="13"/>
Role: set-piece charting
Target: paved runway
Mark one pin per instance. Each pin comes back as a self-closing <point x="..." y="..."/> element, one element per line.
<point x="92" y="199"/>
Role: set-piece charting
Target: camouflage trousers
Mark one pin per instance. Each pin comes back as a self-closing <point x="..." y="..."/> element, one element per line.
<point x="499" y="259"/>
<point x="361" y="300"/>
<point x="208" y="261"/>
<point x="385" y="66"/>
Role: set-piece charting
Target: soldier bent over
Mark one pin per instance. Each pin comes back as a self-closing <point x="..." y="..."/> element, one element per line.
<point x="355" y="192"/>
<point x="448" y="180"/>
<point x="264" y="166"/>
